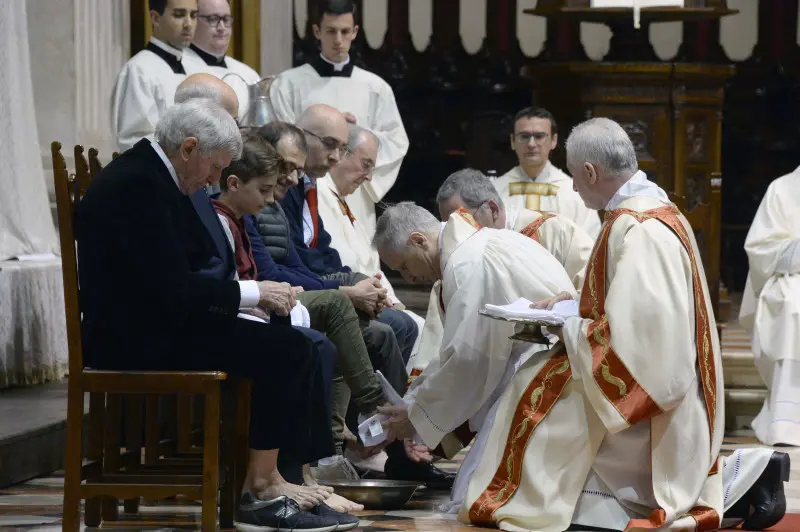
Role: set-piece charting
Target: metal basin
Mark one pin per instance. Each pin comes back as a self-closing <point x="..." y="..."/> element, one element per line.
<point x="375" y="494"/>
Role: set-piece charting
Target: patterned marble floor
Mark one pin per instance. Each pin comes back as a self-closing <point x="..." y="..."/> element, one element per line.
<point x="36" y="504"/>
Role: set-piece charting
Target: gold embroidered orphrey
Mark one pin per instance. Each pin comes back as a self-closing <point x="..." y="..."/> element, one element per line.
<point x="532" y="192"/>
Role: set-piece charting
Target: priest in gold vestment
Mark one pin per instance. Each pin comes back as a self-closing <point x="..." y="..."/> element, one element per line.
<point x="535" y="183"/>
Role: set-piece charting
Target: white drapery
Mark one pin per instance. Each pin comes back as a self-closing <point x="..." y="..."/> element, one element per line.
<point x="33" y="346"/>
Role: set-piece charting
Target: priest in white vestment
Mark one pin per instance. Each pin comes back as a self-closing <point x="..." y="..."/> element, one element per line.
<point x="362" y="96"/>
<point x="536" y="184"/>
<point x="208" y="51"/>
<point x="146" y="85"/>
<point x="348" y="235"/>
<point x="771" y="308"/>
<point x="619" y="426"/>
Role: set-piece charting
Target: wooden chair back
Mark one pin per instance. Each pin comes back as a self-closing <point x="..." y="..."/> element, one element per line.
<point x="706" y="220"/>
<point x="68" y="193"/>
<point x="94" y="163"/>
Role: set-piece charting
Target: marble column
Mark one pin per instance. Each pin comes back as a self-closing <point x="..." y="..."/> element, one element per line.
<point x="276" y="36"/>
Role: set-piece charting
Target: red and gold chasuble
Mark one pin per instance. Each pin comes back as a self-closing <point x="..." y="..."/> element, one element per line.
<point x="609" y="372"/>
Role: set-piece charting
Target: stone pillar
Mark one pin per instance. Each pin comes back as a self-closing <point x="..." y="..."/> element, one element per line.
<point x="276" y="36"/>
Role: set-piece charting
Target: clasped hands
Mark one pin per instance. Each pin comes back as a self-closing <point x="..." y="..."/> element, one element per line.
<point x="369" y="295"/>
<point x="279" y="298"/>
<point x="547" y="304"/>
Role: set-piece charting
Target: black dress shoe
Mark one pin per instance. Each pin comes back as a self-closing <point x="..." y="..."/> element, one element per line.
<point x="764" y="504"/>
<point x="346" y="521"/>
<point x="400" y="467"/>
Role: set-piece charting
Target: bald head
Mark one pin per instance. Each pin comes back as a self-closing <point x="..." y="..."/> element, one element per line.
<point x="208" y="86"/>
<point x="326" y="133"/>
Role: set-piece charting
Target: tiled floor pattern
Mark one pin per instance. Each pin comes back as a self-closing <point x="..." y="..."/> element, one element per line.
<point x="36" y="505"/>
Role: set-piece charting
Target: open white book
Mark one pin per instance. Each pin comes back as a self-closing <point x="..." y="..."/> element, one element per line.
<point x="521" y="309"/>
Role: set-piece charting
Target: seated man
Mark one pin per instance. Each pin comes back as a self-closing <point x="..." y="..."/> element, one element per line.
<point x="589" y="430"/>
<point x="166" y="317"/>
<point x="277" y="260"/>
<point x="771" y="308"/>
<point x="349" y="237"/>
<point x="325" y="130"/>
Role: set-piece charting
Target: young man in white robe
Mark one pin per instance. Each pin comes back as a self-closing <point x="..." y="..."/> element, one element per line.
<point x="208" y="50"/>
<point x="362" y="96"/>
<point x="536" y="184"/>
<point x="618" y="426"/>
<point x="146" y="85"/>
<point x="771" y="308"/>
<point x="348" y="235"/>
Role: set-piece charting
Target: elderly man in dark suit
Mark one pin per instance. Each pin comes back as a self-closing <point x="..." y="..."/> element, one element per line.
<point x="139" y="243"/>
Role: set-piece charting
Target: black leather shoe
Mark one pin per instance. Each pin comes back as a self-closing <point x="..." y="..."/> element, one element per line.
<point x="346" y="521"/>
<point x="400" y="467"/>
<point x="764" y="504"/>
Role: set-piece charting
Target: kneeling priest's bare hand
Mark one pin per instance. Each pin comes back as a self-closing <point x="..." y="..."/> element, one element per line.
<point x="548" y="303"/>
<point x="398" y="424"/>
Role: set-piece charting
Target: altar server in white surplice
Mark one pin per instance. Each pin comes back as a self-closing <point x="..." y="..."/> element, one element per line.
<point x="348" y="235"/>
<point x="146" y="85"/>
<point x="363" y="97"/>
<point x="208" y="50"/>
<point x="619" y="426"/>
<point x="771" y="308"/>
<point x="536" y="184"/>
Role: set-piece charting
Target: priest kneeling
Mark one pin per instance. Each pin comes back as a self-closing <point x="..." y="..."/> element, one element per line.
<point x="620" y="425"/>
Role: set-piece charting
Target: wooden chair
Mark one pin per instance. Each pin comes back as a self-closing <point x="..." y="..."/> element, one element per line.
<point x="100" y="477"/>
<point x="706" y="220"/>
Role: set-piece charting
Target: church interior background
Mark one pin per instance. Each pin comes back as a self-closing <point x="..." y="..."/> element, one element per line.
<point x="713" y="107"/>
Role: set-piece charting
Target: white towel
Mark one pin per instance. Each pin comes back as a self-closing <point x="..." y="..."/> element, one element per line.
<point x="521" y="308"/>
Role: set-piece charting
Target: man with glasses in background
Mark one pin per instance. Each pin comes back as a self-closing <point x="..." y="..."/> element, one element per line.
<point x="536" y="184"/>
<point x="207" y="52"/>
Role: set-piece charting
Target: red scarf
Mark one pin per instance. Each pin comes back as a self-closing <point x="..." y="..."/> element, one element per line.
<point x="242" y="252"/>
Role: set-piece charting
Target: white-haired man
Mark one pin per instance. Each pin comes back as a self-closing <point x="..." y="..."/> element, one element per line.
<point x="348" y="235"/>
<point x="625" y="432"/>
<point x="458" y="391"/>
<point x="136" y="222"/>
<point x="770" y="308"/>
<point x="535" y="183"/>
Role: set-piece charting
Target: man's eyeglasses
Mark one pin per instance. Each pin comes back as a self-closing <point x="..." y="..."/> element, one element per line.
<point x="330" y="143"/>
<point x="367" y="166"/>
<point x="213" y="20"/>
<point x="525" y="137"/>
<point x="287" y="168"/>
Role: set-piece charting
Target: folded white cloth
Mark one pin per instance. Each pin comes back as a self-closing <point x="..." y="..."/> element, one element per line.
<point x="300" y="317"/>
<point x="521" y="308"/>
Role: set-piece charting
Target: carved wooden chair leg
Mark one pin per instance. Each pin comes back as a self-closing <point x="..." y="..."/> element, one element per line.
<point x="211" y="458"/>
<point x="94" y="453"/>
<point x="73" y="460"/>
<point x="111" y="454"/>
<point x="134" y="425"/>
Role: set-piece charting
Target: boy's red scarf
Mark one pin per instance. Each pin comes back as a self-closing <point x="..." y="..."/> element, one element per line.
<point x="242" y="252"/>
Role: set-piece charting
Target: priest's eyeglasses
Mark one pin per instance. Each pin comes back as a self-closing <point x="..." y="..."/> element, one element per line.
<point x="526" y="136"/>
<point x="213" y="20"/>
<point x="330" y="143"/>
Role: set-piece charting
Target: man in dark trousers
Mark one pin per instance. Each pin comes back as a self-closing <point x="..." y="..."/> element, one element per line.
<point x="139" y="242"/>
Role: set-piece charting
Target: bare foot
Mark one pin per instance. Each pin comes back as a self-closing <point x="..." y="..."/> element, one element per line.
<point x="340" y="504"/>
<point x="306" y="496"/>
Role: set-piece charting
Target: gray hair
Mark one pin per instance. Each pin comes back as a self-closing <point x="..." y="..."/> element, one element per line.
<point x="396" y="224"/>
<point x="212" y="126"/>
<point x="603" y="143"/>
<point x="196" y="90"/>
<point x="474" y="188"/>
<point x="356" y="135"/>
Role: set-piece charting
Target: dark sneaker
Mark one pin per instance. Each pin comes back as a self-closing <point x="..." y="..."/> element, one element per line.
<point x="346" y="521"/>
<point x="279" y="515"/>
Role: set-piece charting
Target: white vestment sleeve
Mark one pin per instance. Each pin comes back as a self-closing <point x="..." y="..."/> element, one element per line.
<point x="134" y="109"/>
<point x="650" y="312"/>
<point x="282" y="99"/>
<point x="388" y="126"/>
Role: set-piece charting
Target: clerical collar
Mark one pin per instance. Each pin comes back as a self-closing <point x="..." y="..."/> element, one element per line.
<point x="171" y="55"/>
<point x="163" y="156"/>
<point x="542" y="173"/>
<point x="637" y="185"/>
<point x="209" y="58"/>
<point x="328" y="69"/>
